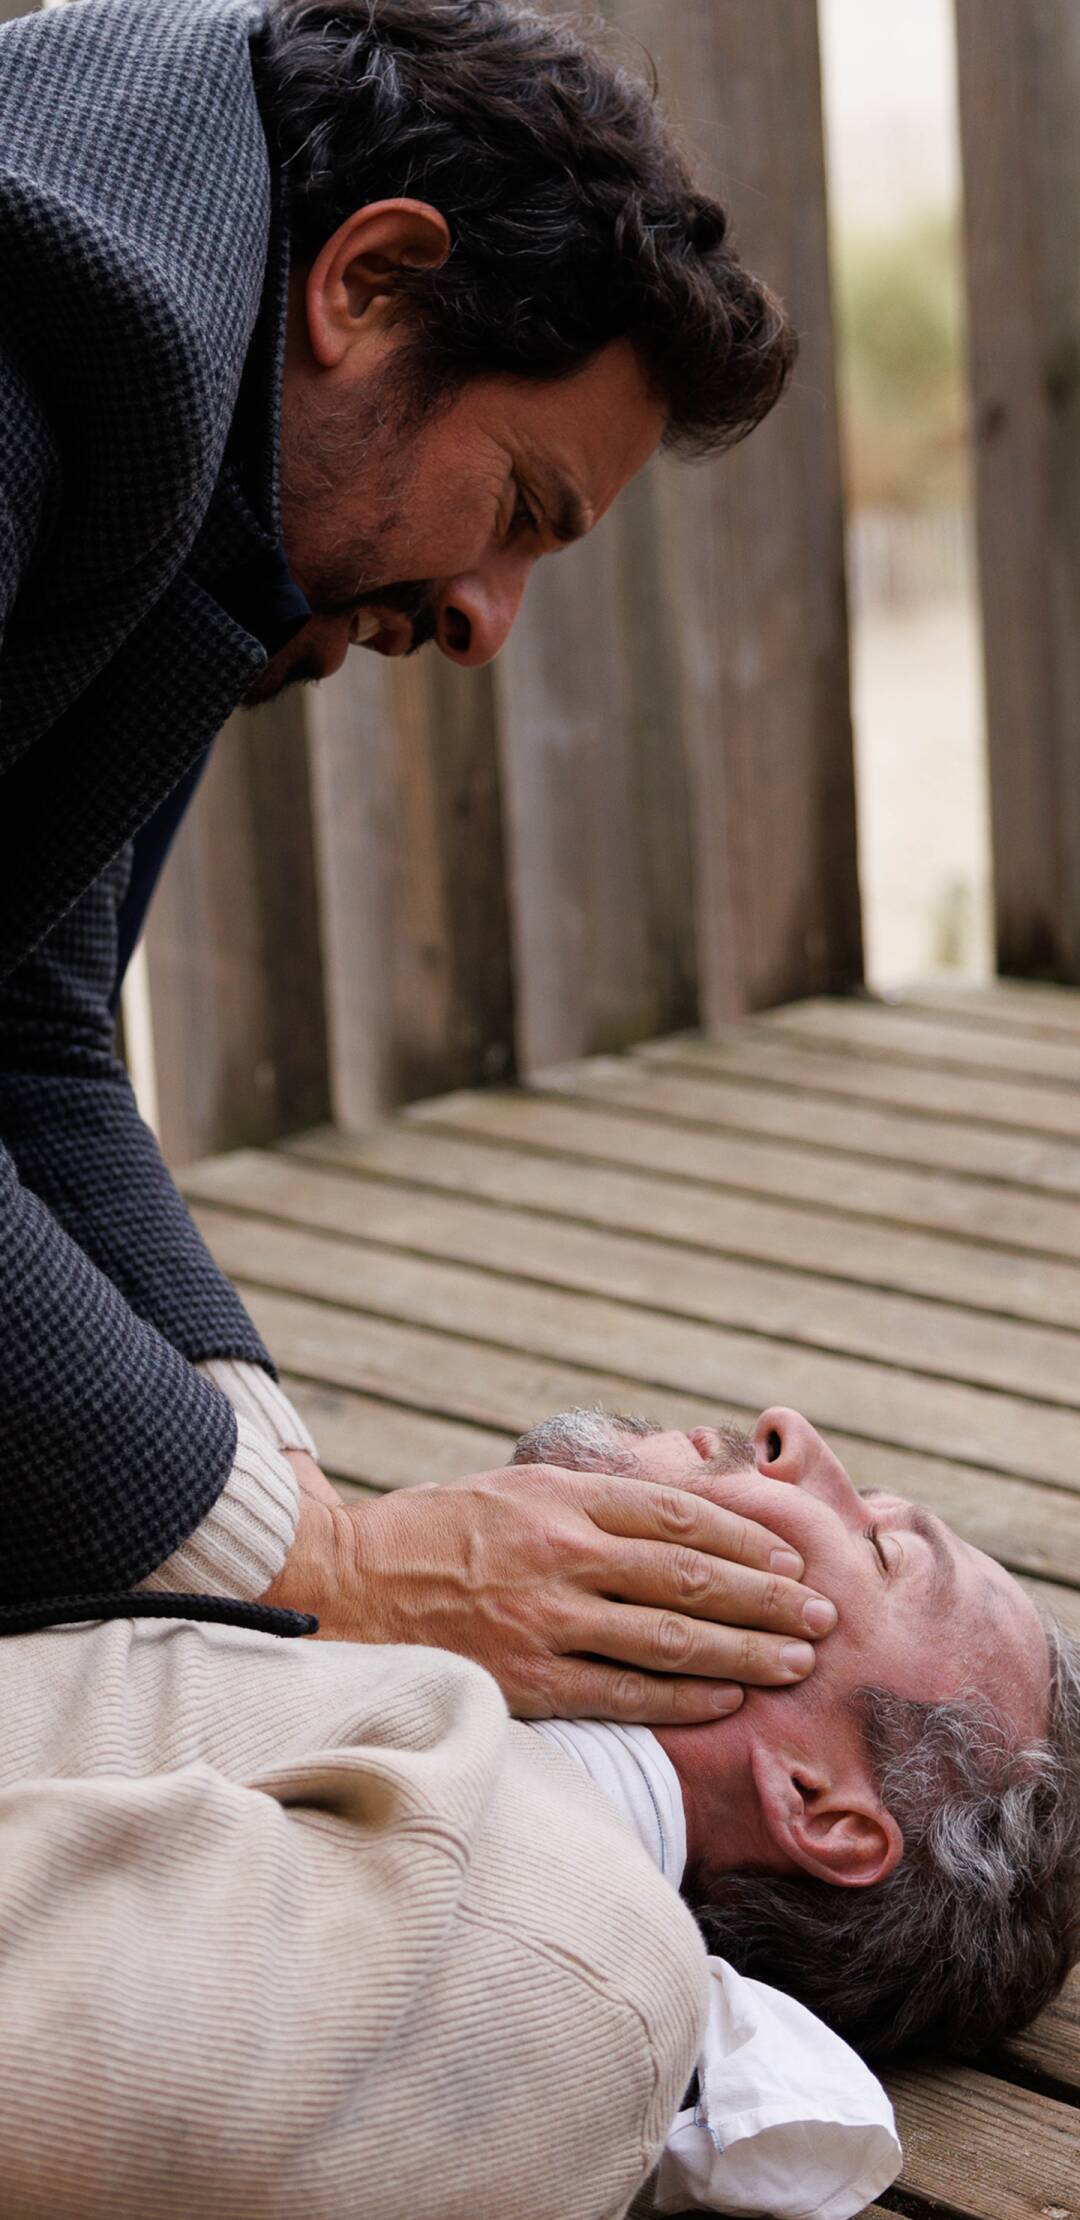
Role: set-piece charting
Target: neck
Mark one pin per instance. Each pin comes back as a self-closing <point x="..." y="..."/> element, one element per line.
<point x="724" y="1826"/>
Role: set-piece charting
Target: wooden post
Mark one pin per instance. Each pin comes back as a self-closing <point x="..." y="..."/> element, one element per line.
<point x="1019" y="87"/>
<point x="754" y="543"/>
<point x="412" y="882"/>
<point x="232" y="949"/>
<point x="598" y="823"/>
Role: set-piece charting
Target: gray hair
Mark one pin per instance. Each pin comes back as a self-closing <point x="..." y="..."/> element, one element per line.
<point x="978" y="1925"/>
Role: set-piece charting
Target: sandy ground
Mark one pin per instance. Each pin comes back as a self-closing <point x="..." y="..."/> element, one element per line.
<point x="923" y="830"/>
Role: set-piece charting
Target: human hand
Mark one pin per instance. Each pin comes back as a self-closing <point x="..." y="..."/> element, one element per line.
<point x="583" y="1594"/>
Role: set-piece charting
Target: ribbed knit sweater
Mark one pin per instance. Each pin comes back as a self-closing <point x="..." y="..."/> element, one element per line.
<point x="312" y="1927"/>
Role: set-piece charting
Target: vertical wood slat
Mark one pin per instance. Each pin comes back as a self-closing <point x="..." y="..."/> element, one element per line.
<point x="675" y="698"/>
<point x="232" y="948"/>
<point x="413" y="891"/>
<point x="755" y="541"/>
<point x="1018" y="70"/>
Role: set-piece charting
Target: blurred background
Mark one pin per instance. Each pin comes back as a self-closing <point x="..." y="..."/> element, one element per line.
<point x="892" y="148"/>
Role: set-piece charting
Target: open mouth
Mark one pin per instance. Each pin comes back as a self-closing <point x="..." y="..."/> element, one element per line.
<point x="389" y="635"/>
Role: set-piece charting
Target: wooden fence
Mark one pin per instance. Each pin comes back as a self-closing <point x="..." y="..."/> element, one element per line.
<point x="642" y="816"/>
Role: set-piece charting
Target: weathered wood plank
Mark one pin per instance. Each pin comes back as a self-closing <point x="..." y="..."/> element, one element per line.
<point x="752" y="549"/>
<point x="984" y="2149"/>
<point x="1019" y="86"/>
<point x="1051" y="2046"/>
<point x="802" y="1308"/>
<point x="1032" y="1115"/>
<point x="934" y="1202"/>
<point x="1009" y="1005"/>
<point x="742" y="1099"/>
<point x="723" y="1222"/>
<point x="969" y="1425"/>
<point x="379" y="1445"/>
<point x="585" y="917"/>
<point x="412" y="881"/>
<point x="904" y="1037"/>
<point x="232" y="948"/>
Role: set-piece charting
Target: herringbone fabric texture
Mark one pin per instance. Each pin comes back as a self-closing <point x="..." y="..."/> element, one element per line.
<point x="142" y="270"/>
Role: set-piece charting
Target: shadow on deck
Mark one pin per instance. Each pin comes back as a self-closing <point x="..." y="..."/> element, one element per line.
<point x="870" y="1212"/>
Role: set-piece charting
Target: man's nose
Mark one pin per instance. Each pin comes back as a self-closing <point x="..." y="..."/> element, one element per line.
<point x="787" y="1447"/>
<point x="475" y="614"/>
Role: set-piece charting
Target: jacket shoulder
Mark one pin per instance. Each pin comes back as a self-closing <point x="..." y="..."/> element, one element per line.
<point x="135" y="207"/>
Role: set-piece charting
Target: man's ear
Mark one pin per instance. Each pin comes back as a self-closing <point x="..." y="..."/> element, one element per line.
<point x="826" y="1821"/>
<point x="359" y="266"/>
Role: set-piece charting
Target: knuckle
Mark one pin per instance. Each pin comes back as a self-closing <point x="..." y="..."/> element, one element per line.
<point x="629" y="1693"/>
<point x="676" y="1511"/>
<point x="692" y="1575"/>
<point x="747" y="1651"/>
<point x="674" y="1638"/>
<point x="772" y="1596"/>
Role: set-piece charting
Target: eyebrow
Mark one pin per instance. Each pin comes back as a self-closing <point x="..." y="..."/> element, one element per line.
<point x="930" y="1530"/>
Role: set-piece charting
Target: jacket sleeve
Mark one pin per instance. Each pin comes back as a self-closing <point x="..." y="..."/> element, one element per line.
<point x="113" y="1447"/>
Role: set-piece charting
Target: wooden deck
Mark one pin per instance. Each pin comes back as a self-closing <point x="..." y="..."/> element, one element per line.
<point x="872" y="1213"/>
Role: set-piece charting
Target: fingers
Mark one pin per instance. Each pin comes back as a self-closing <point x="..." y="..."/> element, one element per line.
<point x="654" y="1513"/>
<point x="686" y="1581"/>
<point x="585" y="1689"/>
<point x="667" y="1642"/>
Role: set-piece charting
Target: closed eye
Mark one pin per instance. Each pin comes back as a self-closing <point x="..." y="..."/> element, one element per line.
<point x="523" y="519"/>
<point x="873" y="1536"/>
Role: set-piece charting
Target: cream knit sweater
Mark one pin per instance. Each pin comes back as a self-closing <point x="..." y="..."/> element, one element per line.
<point x="315" y="1928"/>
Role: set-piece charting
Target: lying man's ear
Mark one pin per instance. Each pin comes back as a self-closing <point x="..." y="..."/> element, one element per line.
<point x="826" y="1825"/>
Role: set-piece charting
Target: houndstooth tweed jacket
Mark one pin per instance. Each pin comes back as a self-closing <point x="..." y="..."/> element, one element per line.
<point x="143" y="263"/>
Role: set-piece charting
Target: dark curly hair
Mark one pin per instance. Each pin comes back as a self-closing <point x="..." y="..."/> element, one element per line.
<point x="573" y="216"/>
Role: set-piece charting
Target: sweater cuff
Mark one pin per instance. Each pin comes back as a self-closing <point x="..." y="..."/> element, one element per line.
<point x="245" y="1538"/>
<point x="254" y="1395"/>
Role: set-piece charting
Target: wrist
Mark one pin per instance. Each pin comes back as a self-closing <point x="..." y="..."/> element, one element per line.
<point x="320" y="1573"/>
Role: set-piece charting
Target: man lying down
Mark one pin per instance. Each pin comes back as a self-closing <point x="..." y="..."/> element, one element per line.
<point x="896" y="1843"/>
<point x="315" y="1926"/>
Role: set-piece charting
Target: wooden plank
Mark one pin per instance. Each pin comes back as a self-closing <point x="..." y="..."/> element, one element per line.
<point x="1010" y="1005"/>
<point x="378" y="1445"/>
<point x="1019" y="85"/>
<point x="1051" y="2046"/>
<point x="564" y="695"/>
<point x="985" y="2149"/>
<point x="412" y="881"/>
<point x="893" y="1033"/>
<point x="740" y="1095"/>
<point x="801" y="1308"/>
<point x="973" y="1210"/>
<point x="232" y="948"/>
<point x="762" y="1056"/>
<point x="723" y="1222"/>
<point x="968" y="1425"/>
<point x="752" y="547"/>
